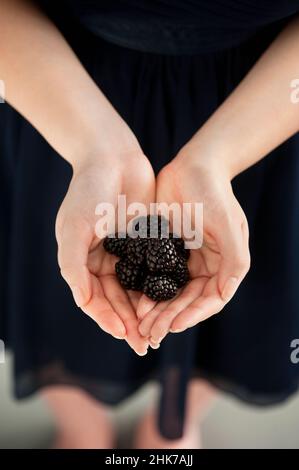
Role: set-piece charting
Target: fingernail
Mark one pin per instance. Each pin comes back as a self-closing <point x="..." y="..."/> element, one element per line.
<point x="78" y="296"/>
<point x="178" y="330"/>
<point x="143" y="353"/>
<point x="158" y="340"/>
<point x="229" y="288"/>
<point x="155" y="344"/>
<point x="119" y="337"/>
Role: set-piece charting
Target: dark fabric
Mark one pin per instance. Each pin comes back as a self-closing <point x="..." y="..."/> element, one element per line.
<point x="174" y="26"/>
<point x="246" y="349"/>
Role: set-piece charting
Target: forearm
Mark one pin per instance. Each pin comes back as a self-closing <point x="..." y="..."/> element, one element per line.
<point x="259" y="115"/>
<point x="47" y="84"/>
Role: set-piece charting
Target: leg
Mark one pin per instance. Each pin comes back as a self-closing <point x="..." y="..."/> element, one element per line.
<point x="199" y="399"/>
<point x="82" y="422"/>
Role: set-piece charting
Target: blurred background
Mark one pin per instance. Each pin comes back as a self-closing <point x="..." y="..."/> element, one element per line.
<point x="230" y="424"/>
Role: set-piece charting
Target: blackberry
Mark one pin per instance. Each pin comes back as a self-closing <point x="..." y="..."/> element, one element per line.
<point x="136" y="250"/>
<point x="181" y="274"/>
<point x="129" y="275"/>
<point x="180" y="246"/>
<point x="154" y="262"/>
<point x="159" y="287"/>
<point x="116" y="245"/>
<point x="161" y="255"/>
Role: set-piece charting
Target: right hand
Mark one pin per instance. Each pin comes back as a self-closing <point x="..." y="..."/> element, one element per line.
<point x="220" y="264"/>
<point x="85" y="265"/>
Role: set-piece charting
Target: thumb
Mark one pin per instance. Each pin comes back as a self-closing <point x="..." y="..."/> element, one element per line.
<point x="144" y="306"/>
<point x="74" y="241"/>
<point x="235" y="259"/>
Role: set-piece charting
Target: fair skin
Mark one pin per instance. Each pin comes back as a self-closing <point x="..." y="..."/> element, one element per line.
<point x="54" y="85"/>
<point x="61" y="101"/>
<point x="255" y="119"/>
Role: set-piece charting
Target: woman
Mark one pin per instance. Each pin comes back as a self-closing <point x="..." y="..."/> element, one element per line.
<point x="204" y="91"/>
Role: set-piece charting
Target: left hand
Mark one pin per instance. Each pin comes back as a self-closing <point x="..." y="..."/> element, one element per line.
<point x="218" y="267"/>
<point x="86" y="267"/>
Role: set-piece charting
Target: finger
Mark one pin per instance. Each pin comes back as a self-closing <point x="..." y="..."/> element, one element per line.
<point x="197" y="311"/>
<point x="148" y="321"/>
<point x="99" y="261"/>
<point x="235" y="260"/>
<point x="100" y="310"/>
<point x="122" y="306"/>
<point x="162" y="324"/>
<point x="143" y="190"/>
<point x="134" y="297"/>
<point x="245" y="231"/>
<point x="154" y="345"/>
<point x="145" y="305"/>
<point x="74" y="241"/>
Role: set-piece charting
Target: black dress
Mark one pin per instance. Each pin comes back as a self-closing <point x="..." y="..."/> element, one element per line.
<point x="176" y="62"/>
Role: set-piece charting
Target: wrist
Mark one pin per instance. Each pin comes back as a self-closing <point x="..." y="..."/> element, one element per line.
<point x="207" y="159"/>
<point x="105" y="152"/>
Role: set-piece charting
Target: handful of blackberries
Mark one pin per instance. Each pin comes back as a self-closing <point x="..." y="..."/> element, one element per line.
<point x="154" y="261"/>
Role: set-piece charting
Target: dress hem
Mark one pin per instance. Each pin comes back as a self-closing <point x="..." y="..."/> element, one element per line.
<point x="103" y="390"/>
